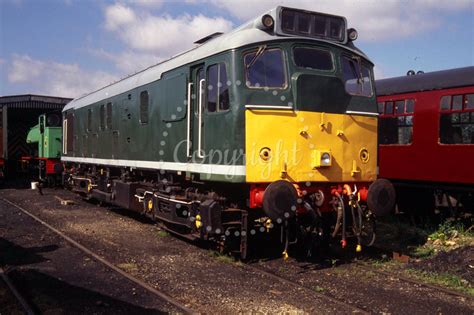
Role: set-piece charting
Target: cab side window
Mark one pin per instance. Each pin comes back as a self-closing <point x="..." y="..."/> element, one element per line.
<point x="217" y="88"/>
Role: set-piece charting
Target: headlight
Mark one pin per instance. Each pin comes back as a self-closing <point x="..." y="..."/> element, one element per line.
<point x="321" y="158"/>
<point x="352" y="34"/>
<point x="267" y="21"/>
<point x="325" y="159"/>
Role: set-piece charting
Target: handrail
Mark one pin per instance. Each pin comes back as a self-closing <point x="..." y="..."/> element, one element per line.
<point x="201" y="93"/>
<point x="188" y="124"/>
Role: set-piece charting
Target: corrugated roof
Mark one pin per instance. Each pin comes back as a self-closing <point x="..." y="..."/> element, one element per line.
<point x="31" y="101"/>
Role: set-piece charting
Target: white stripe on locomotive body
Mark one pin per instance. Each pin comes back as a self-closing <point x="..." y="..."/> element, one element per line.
<point x="211" y="169"/>
<point x="242" y="36"/>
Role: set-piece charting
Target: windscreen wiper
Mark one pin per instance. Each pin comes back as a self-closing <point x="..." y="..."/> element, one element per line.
<point x="260" y="51"/>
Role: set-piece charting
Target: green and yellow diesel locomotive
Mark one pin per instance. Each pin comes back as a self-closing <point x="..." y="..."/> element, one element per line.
<point x="270" y="129"/>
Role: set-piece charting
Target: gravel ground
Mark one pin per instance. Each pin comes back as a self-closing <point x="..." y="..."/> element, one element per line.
<point x="208" y="284"/>
<point x="184" y="271"/>
<point x="371" y="291"/>
<point x="8" y="302"/>
<point x="57" y="278"/>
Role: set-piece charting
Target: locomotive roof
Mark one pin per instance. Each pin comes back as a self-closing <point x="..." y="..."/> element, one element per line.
<point x="247" y="34"/>
<point x="436" y="80"/>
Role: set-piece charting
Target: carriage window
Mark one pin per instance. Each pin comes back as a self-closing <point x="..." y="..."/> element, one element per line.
<point x="217" y="88"/>
<point x="409" y="106"/>
<point x="445" y="103"/>
<point x="108" y="122"/>
<point x="144" y="99"/>
<point x="313" y="58"/>
<point x="469" y="102"/>
<point x="397" y="127"/>
<point x="457" y="102"/>
<point x="89" y="119"/>
<point x="102" y="117"/>
<point x="265" y="69"/>
<point x="380" y="106"/>
<point x="399" y="107"/>
<point x="456" y="122"/>
<point x="356" y="77"/>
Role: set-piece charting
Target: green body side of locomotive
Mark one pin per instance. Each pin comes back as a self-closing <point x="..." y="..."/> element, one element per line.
<point x="162" y="134"/>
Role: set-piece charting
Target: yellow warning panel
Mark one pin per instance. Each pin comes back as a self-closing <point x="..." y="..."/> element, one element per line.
<point x="309" y="146"/>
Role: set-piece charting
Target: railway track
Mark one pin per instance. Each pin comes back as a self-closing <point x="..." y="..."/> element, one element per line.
<point x="163" y="296"/>
<point x="356" y="307"/>
<point x="16" y="293"/>
<point x="262" y="270"/>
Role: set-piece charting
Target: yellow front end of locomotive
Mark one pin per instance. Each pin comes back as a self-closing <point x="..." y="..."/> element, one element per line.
<point x="309" y="146"/>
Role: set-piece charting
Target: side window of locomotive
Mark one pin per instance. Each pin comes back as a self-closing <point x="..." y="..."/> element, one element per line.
<point x="396" y="123"/>
<point x="102" y="117"/>
<point x="108" y="121"/>
<point x="265" y="69"/>
<point x="313" y="58"/>
<point x="217" y="88"/>
<point x="357" y="79"/>
<point x="144" y="100"/>
<point x="199" y="77"/>
<point x="456" y="120"/>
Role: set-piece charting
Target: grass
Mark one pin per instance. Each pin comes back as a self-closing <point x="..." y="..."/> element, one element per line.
<point x="129" y="267"/>
<point x="425" y="242"/>
<point x="424" y="251"/>
<point x="447" y="280"/>
<point x="319" y="289"/>
<point x="162" y="233"/>
<point x="449" y="230"/>
<point x="223" y="258"/>
<point x="443" y="279"/>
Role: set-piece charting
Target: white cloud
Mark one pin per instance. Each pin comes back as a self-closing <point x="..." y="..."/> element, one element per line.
<point x="129" y="61"/>
<point x="379" y="72"/>
<point x="117" y="16"/>
<point x="53" y="78"/>
<point x="163" y="35"/>
<point x="375" y="20"/>
<point x="147" y="3"/>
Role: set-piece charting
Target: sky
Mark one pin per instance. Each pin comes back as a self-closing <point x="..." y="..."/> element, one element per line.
<point x="71" y="47"/>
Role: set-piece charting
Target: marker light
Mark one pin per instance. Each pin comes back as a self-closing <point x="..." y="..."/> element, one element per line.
<point x="352" y="34"/>
<point x="267" y="21"/>
<point x="325" y="159"/>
